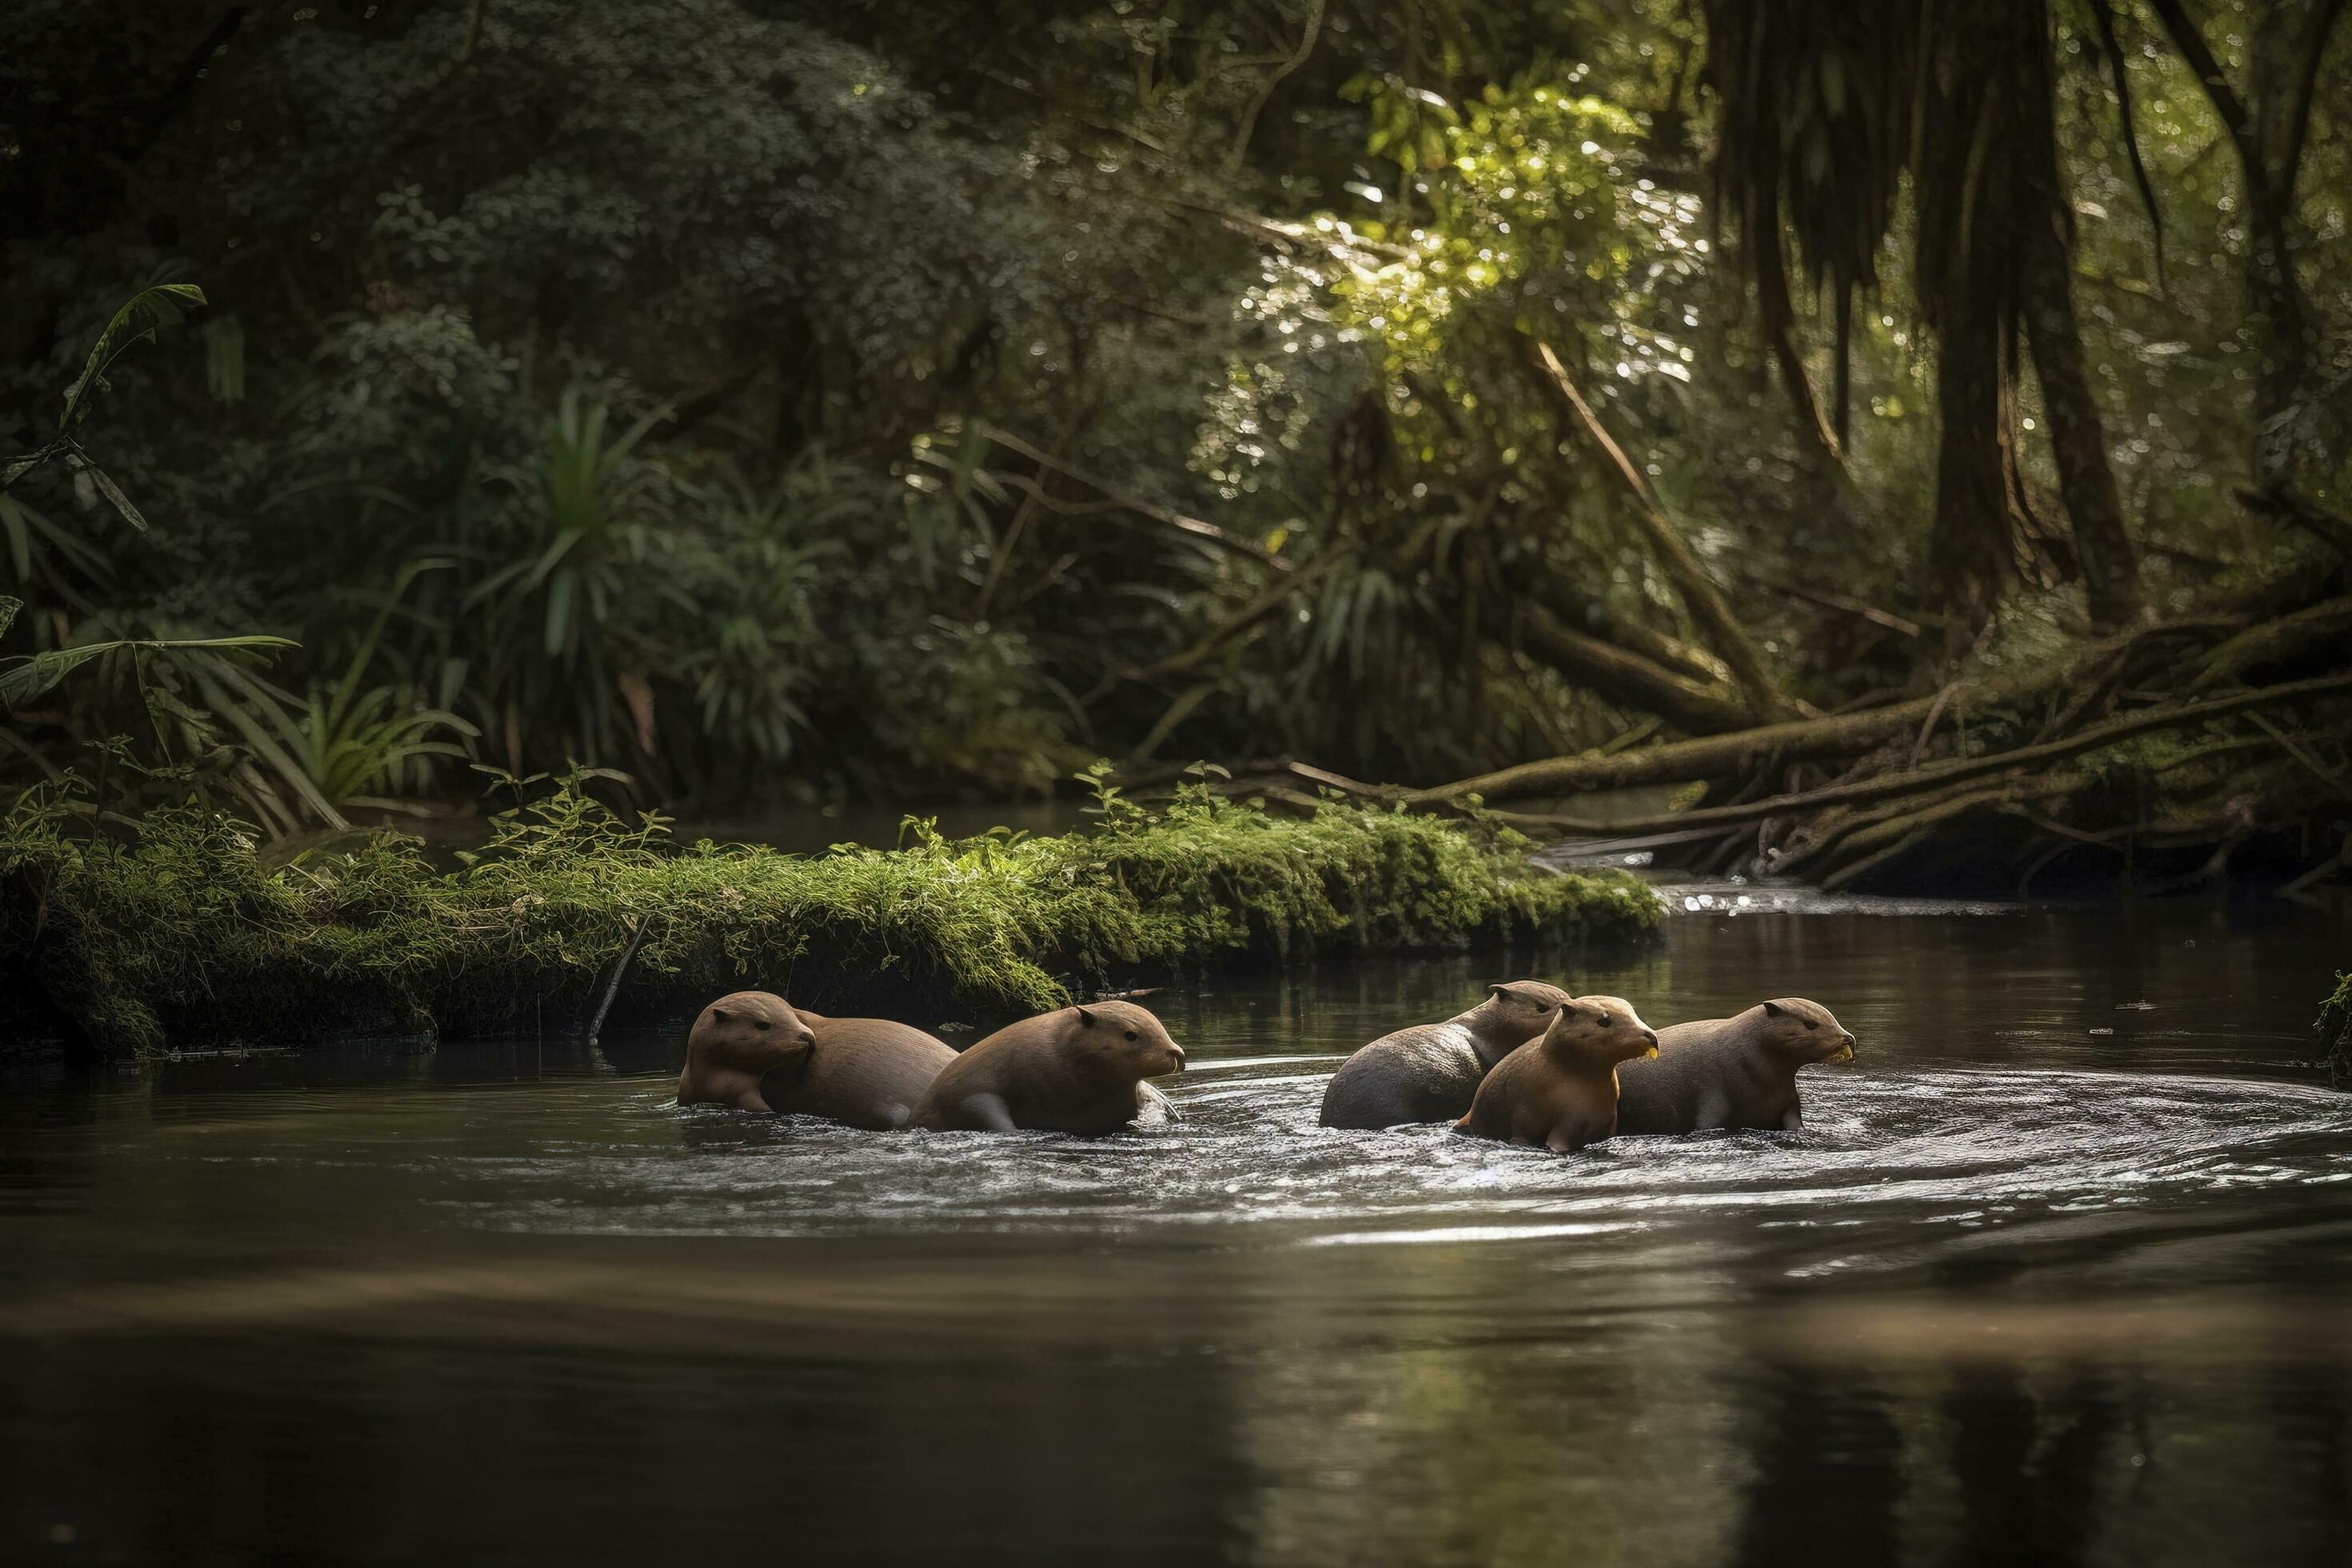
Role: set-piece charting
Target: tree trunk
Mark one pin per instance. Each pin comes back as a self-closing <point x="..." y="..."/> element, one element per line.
<point x="2282" y="67"/>
<point x="1987" y="135"/>
<point x="2284" y="71"/>
<point x="1964" y="266"/>
<point x="2077" y="437"/>
<point x="1968" y="544"/>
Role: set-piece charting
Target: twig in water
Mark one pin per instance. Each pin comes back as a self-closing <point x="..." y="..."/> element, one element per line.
<point x="613" y="986"/>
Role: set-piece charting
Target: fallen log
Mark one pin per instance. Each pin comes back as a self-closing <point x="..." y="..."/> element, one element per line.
<point x="1629" y="678"/>
<point x="1740" y="752"/>
<point x="1913" y="780"/>
<point x="2274" y="641"/>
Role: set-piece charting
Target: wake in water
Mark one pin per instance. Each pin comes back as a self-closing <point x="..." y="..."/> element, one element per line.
<point x="1960" y="1149"/>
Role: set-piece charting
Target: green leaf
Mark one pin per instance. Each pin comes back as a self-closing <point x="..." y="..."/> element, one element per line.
<point x="113" y="492"/>
<point x="17" y="525"/>
<point x="9" y="608"/>
<point x="559" y="611"/>
<point x="24" y="463"/>
<point x="224" y="684"/>
<point x="31" y="676"/>
<point x="139" y="317"/>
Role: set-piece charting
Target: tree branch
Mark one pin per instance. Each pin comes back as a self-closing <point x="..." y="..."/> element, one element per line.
<point x="2189" y="39"/>
<point x="1699" y="595"/>
<point x="1208" y="531"/>
<point x="1626" y="676"/>
<point x="2115" y="68"/>
<point x="2299" y="112"/>
<point x="1265" y="90"/>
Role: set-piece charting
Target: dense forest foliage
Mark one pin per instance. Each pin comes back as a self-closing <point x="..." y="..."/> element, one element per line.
<point x="780" y="401"/>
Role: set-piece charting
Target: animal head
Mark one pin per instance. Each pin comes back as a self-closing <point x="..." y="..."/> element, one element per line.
<point x="1123" y="1040"/>
<point x="1520" y="1010"/>
<point x="1805" y="1032"/>
<point x="1600" y="1029"/>
<point x="751" y="1032"/>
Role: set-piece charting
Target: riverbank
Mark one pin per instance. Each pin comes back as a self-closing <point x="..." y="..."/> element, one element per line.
<point x="192" y="936"/>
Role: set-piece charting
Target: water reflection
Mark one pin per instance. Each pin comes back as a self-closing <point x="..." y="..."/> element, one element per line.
<point x="2019" y="1293"/>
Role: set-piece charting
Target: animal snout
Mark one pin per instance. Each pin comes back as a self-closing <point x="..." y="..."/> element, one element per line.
<point x="806" y="1039"/>
<point x="1175" y="1057"/>
<point x="1650" y="1038"/>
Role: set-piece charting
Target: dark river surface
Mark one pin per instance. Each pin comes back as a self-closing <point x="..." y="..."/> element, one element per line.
<point x="2058" y="1271"/>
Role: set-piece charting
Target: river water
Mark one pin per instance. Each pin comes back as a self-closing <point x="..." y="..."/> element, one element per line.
<point x="2058" y="1271"/>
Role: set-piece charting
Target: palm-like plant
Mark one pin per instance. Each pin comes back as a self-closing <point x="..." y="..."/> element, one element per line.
<point x="749" y="674"/>
<point x="590" y="521"/>
<point x="361" y="746"/>
<point x="589" y="512"/>
<point x="142" y="317"/>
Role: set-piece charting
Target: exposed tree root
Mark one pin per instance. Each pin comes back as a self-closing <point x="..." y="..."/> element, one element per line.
<point x="2197" y="736"/>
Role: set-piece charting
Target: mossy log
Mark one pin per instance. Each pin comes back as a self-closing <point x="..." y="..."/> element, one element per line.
<point x="188" y="935"/>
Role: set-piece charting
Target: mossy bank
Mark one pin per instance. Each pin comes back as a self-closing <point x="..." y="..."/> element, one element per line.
<point x="191" y="935"/>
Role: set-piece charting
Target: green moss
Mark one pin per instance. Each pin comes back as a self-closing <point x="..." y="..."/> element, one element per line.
<point x="2334" y="1029"/>
<point x="190" y="935"/>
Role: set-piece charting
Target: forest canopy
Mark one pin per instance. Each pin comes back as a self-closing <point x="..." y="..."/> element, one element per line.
<point x="783" y="401"/>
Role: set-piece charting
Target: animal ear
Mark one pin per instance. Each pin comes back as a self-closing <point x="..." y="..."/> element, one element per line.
<point x="1496" y="990"/>
<point x="1086" y="1017"/>
<point x="1773" y="1009"/>
<point x="718" y="1015"/>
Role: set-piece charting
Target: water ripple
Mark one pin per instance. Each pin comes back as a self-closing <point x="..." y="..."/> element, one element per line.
<point x="1944" y="1148"/>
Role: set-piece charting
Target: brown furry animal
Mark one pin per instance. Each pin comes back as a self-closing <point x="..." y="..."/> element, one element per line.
<point x="1558" y="1091"/>
<point x="1431" y="1072"/>
<point x="1739" y="1071"/>
<point x="1078" y="1071"/>
<point x="755" y="1050"/>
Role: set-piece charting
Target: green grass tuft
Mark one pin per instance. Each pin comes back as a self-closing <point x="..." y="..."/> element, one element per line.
<point x="2334" y="1029"/>
<point x="191" y="936"/>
